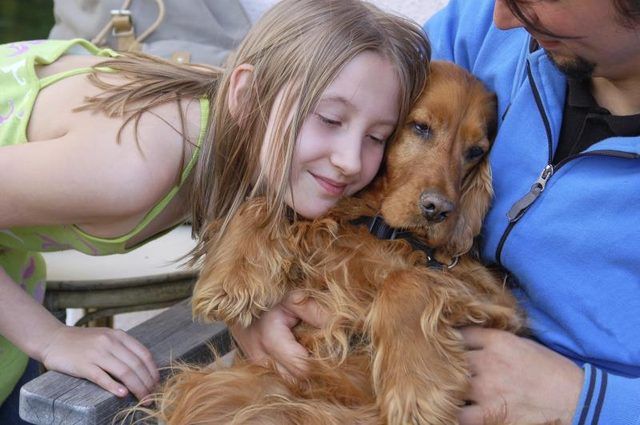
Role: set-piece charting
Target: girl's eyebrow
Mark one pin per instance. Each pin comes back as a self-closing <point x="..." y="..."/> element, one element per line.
<point x="338" y="99"/>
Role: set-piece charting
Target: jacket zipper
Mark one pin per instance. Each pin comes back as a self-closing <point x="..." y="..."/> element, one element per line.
<point x="520" y="207"/>
<point x="547" y="128"/>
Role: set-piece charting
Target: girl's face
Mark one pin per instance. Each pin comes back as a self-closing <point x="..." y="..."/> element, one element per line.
<point x="341" y="142"/>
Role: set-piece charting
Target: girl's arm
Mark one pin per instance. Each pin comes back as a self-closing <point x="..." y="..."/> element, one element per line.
<point x="84" y="177"/>
<point x="92" y="353"/>
<point x="270" y="336"/>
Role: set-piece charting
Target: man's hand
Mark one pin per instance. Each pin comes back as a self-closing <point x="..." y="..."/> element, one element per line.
<point x="270" y="336"/>
<point x="519" y="377"/>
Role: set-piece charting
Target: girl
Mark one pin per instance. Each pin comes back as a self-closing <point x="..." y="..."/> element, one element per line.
<point x="102" y="164"/>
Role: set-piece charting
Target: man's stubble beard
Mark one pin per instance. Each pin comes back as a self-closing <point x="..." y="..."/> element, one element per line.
<point x="573" y="67"/>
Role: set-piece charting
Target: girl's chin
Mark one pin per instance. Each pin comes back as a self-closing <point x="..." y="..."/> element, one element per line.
<point x="313" y="212"/>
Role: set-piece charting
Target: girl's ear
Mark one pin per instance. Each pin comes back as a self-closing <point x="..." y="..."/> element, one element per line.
<point x="239" y="89"/>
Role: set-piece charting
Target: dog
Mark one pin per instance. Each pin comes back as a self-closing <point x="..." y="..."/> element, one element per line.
<point x="395" y="268"/>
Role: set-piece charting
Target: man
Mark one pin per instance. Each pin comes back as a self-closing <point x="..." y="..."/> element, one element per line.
<point x="565" y="220"/>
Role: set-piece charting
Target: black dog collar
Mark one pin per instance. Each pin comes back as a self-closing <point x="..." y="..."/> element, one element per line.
<point x="381" y="230"/>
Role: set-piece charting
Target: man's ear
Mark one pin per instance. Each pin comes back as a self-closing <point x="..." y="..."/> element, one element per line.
<point x="239" y="89"/>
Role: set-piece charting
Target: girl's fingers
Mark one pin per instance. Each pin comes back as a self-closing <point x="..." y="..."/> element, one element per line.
<point x="270" y="338"/>
<point x="142" y="353"/>
<point x="114" y="366"/>
<point x="101" y="378"/>
<point x="135" y="364"/>
<point x="289" y="355"/>
<point x="306" y="309"/>
<point x="279" y="343"/>
<point x="100" y="355"/>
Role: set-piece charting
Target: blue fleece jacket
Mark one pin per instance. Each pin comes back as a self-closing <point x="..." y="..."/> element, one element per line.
<point x="570" y="234"/>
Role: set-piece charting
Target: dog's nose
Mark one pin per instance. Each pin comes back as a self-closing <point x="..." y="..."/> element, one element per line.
<point x="435" y="207"/>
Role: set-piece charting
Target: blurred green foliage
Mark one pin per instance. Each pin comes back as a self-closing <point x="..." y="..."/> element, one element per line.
<point x="25" y="19"/>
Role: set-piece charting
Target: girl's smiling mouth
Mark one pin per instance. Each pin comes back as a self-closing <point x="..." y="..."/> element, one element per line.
<point x="330" y="186"/>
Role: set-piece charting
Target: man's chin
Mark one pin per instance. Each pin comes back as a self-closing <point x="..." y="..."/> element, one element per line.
<point x="572" y="66"/>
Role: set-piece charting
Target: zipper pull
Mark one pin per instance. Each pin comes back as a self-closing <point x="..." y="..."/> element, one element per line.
<point x="518" y="209"/>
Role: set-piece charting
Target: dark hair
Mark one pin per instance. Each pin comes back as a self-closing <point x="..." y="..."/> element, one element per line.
<point x="628" y="14"/>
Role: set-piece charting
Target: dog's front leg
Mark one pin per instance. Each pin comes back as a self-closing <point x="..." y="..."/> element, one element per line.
<point x="419" y="372"/>
<point x="246" y="273"/>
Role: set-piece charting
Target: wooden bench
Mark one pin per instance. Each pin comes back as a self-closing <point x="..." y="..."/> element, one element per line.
<point x="58" y="399"/>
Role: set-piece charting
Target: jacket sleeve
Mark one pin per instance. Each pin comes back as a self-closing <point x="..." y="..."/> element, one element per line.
<point x="608" y="399"/>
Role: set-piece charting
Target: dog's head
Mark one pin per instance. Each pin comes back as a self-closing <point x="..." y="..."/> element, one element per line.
<point x="437" y="181"/>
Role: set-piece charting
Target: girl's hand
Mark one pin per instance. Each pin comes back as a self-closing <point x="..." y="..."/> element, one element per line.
<point x="519" y="377"/>
<point x="100" y="355"/>
<point x="270" y="337"/>
<point x="97" y="354"/>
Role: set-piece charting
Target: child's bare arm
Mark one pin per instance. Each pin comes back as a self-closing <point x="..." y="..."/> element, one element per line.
<point x="86" y="177"/>
<point x="97" y="354"/>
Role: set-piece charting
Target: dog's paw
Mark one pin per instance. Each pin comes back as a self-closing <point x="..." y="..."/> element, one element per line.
<point x="419" y="403"/>
<point x="234" y="302"/>
<point x="234" y="307"/>
<point x="420" y="382"/>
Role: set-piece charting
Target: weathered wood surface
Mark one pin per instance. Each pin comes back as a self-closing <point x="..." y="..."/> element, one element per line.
<point x="58" y="399"/>
<point x="106" y="297"/>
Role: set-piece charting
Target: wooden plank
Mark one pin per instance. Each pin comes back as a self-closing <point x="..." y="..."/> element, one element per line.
<point x="57" y="399"/>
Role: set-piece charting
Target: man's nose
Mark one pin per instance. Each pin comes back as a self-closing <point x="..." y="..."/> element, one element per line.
<point x="503" y="17"/>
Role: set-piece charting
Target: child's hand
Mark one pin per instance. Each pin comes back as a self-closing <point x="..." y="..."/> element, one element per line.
<point x="270" y="336"/>
<point x="100" y="355"/>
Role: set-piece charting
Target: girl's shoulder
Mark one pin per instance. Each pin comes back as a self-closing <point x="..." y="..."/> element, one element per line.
<point x="62" y="100"/>
<point x="89" y="168"/>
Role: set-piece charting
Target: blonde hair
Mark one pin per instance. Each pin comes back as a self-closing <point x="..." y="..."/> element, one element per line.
<point x="299" y="47"/>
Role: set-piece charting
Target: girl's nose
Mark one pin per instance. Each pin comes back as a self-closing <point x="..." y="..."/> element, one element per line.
<point x="503" y="17"/>
<point x="347" y="156"/>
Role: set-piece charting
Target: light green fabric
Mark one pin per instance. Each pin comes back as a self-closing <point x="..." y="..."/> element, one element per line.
<point x="19" y="247"/>
<point x="28" y="270"/>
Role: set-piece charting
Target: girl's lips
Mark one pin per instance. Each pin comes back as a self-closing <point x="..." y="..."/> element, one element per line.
<point x="332" y="187"/>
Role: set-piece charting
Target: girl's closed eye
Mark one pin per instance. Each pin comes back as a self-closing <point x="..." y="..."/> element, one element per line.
<point x="329" y="121"/>
<point x="378" y="139"/>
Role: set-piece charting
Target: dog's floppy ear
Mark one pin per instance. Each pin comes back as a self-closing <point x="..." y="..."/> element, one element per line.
<point x="474" y="204"/>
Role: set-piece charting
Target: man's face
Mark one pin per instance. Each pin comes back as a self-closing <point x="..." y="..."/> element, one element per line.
<point x="588" y="38"/>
